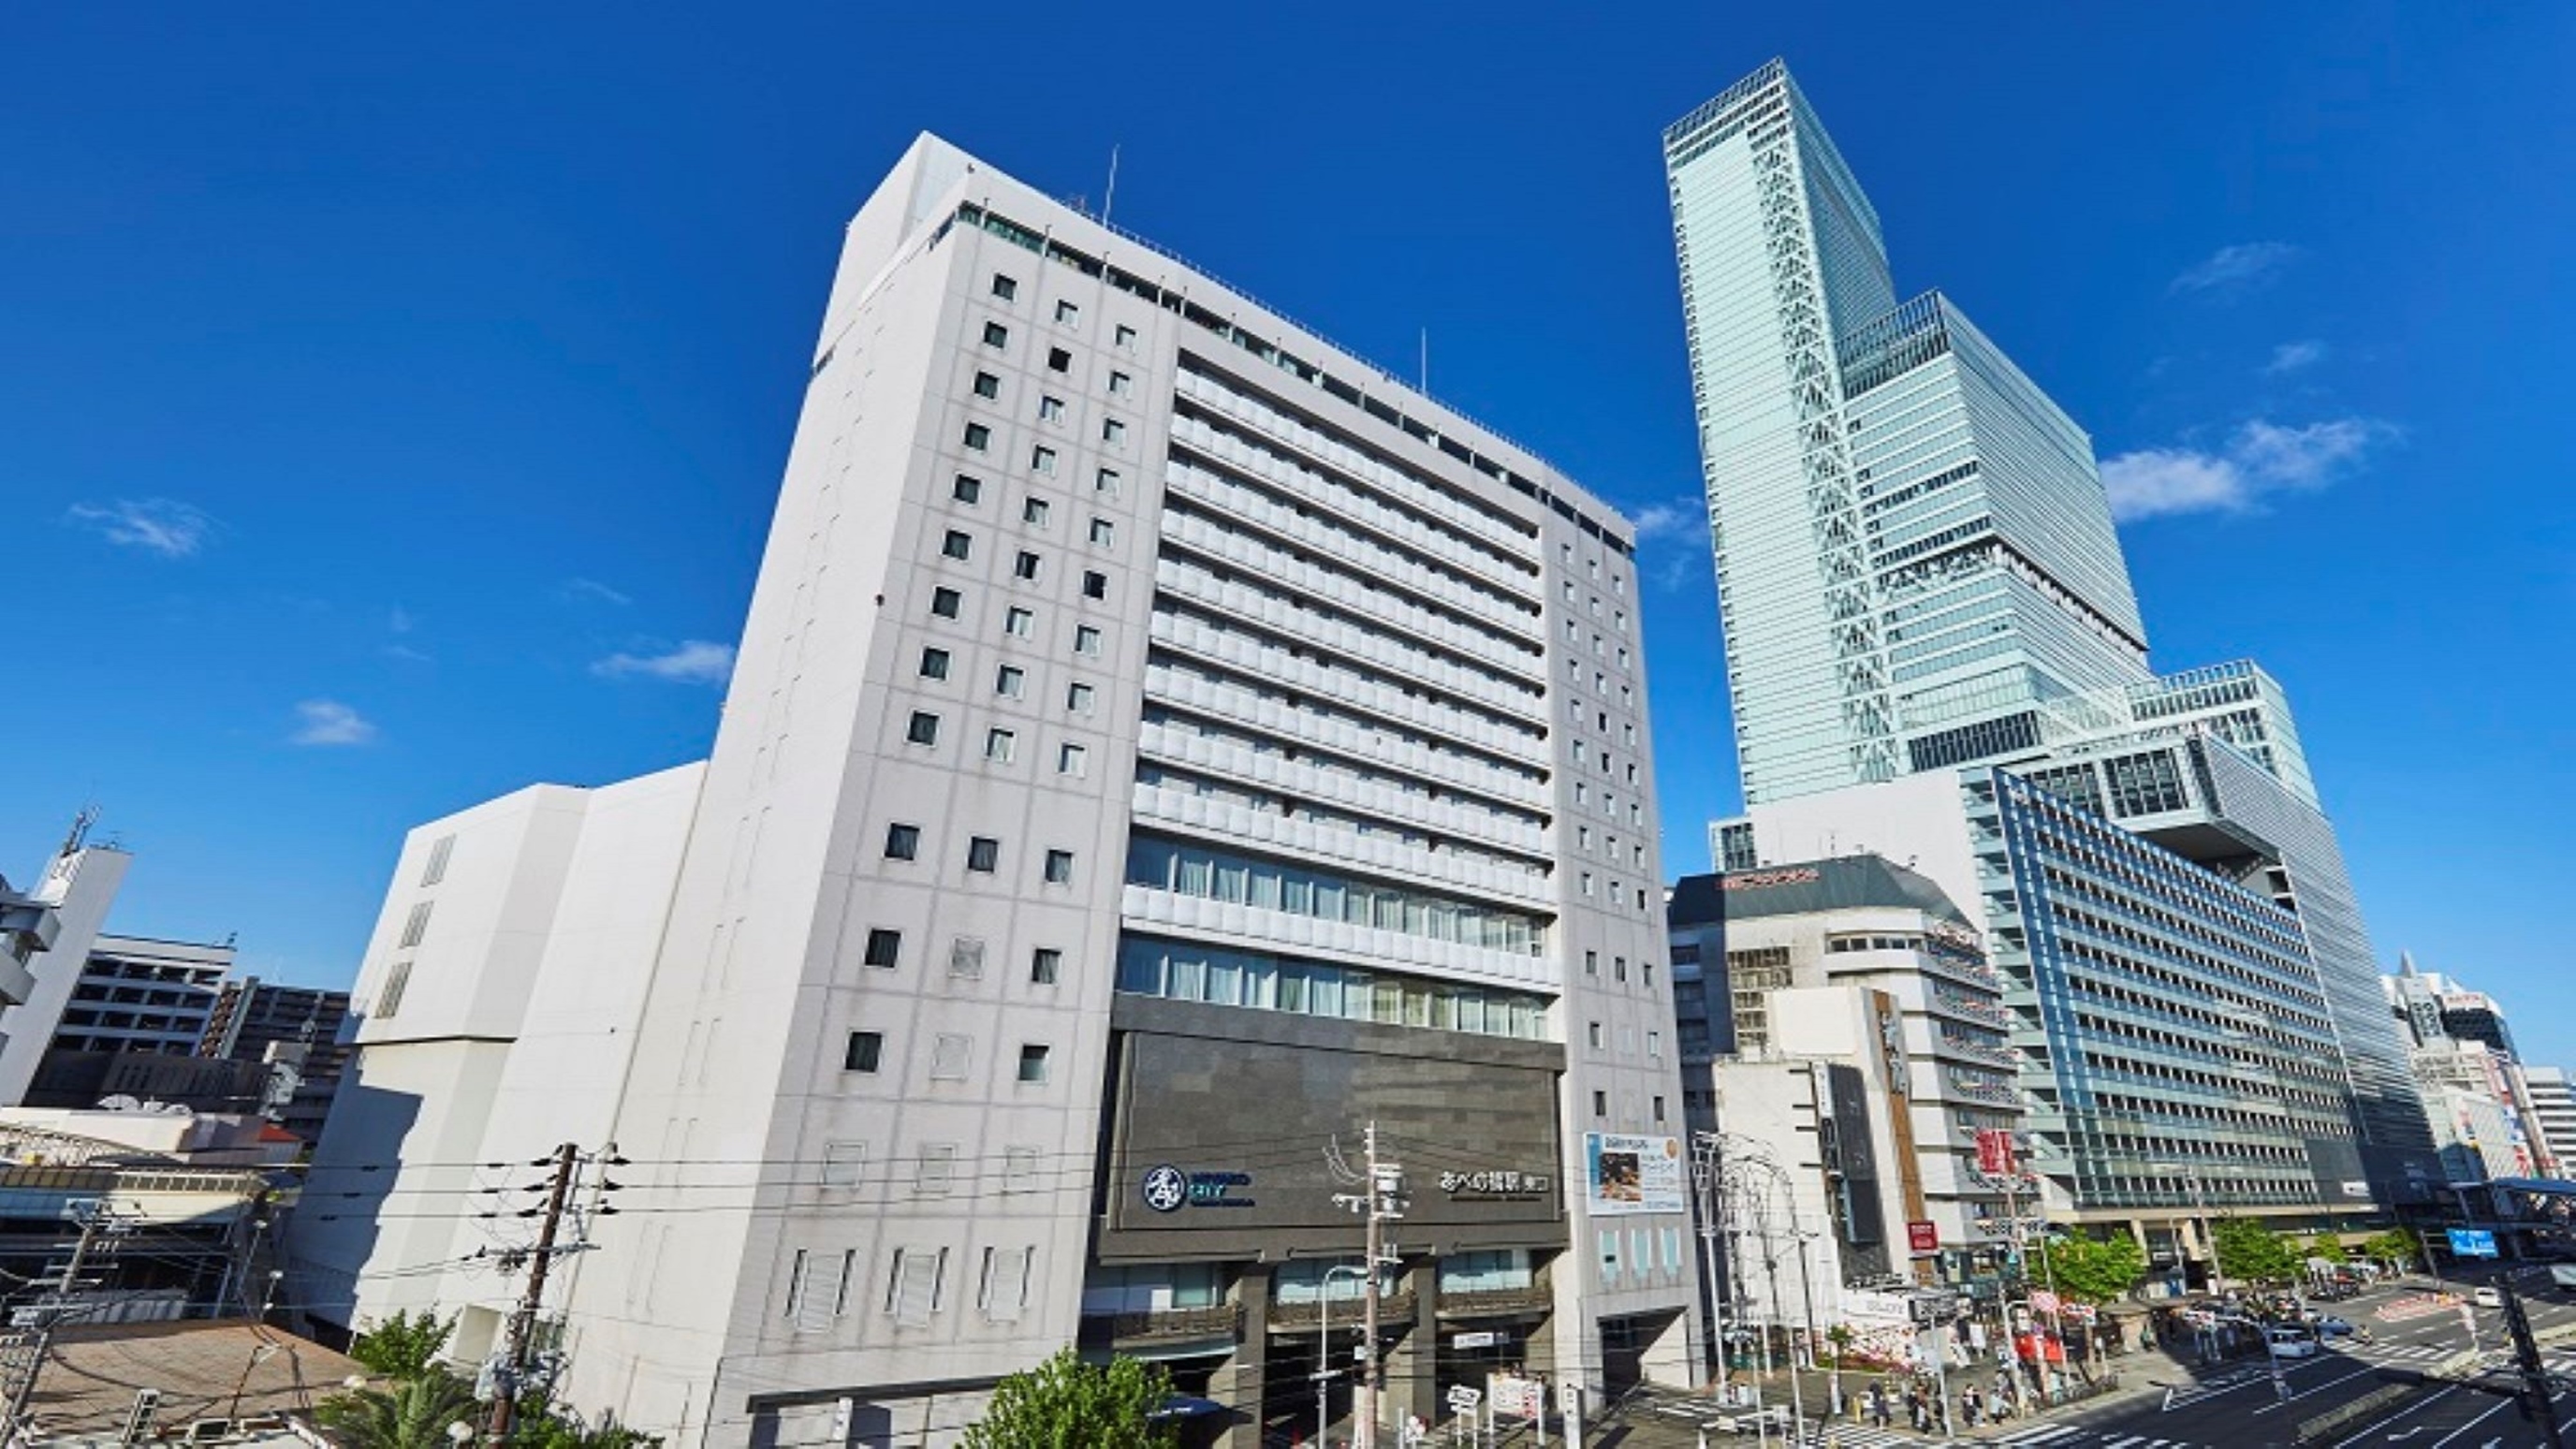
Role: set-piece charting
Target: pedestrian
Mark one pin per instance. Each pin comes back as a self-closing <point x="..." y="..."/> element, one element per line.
<point x="1968" y="1403"/>
<point x="1914" y="1409"/>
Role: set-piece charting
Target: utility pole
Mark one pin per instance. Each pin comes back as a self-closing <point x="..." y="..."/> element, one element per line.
<point x="96" y="1218"/>
<point x="523" y="1323"/>
<point x="1384" y="1205"/>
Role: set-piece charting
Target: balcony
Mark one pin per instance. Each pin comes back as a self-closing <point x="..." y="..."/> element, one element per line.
<point x="1163" y="1325"/>
<point x="1391" y="1308"/>
<point x="1498" y="1303"/>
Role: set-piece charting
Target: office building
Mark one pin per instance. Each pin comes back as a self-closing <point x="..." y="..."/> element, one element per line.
<point x="1918" y="573"/>
<point x="2484" y="1110"/>
<point x="49" y="929"/>
<point x="2553" y="1107"/>
<point x="293" y="1031"/>
<point x="130" y="1028"/>
<point x="1161" y="746"/>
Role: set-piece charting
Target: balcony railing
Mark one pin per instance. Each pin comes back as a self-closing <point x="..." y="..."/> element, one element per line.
<point x="1391" y="1308"/>
<point x="1218" y="1320"/>
<point x="1533" y="1299"/>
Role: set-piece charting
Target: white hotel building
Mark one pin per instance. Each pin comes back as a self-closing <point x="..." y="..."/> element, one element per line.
<point x="1160" y="744"/>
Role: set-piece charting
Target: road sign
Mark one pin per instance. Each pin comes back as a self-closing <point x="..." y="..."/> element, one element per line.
<point x="2043" y="1301"/>
<point x="2472" y="1243"/>
<point x="1923" y="1236"/>
<point x="1463" y="1400"/>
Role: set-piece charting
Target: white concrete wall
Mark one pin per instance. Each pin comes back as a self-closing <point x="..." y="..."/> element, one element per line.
<point x="81" y="887"/>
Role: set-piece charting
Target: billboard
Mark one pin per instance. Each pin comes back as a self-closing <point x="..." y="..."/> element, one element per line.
<point x="1994" y="1151"/>
<point x="1624" y="1173"/>
<point x="2472" y="1243"/>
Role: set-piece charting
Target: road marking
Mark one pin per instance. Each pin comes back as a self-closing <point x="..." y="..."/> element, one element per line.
<point x="2363" y="1372"/>
<point x="2393" y="1418"/>
<point x="2500" y="1404"/>
<point x="2040" y="1435"/>
<point x="2123" y="1443"/>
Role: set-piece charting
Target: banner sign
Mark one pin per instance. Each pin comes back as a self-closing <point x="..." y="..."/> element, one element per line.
<point x="1994" y="1151"/>
<point x="1632" y="1174"/>
<point x="1923" y="1236"/>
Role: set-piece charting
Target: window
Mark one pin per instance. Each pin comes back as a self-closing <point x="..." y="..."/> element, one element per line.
<point x="1019" y="1169"/>
<point x="987" y="385"/>
<point x="1050" y="409"/>
<point x="1103" y="532"/>
<point x="845" y="1164"/>
<point x="1025" y="567"/>
<point x="1004" y="287"/>
<point x="1655" y="1048"/>
<point x="389" y="998"/>
<point x="1078" y="698"/>
<point x="416" y="925"/>
<point x="1086" y="640"/>
<point x="1609" y="1240"/>
<point x="914" y="1282"/>
<point x="1046" y="964"/>
<point x="1005" y="1289"/>
<point x="935" y="1172"/>
<point x="883" y="947"/>
<point x="996" y="335"/>
<point x="949" y="1056"/>
<point x="1592" y="1034"/>
<point x="1033" y="1064"/>
<point x="934" y="664"/>
<point x="865" y="1052"/>
<point x="1121" y="385"/>
<point x="1059" y="867"/>
<point x="903" y="842"/>
<point x="1659" y="1107"/>
<point x="1059" y="360"/>
<point x="1106" y="482"/>
<point x="1113" y="431"/>
<point x="1067" y="313"/>
<point x="924" y="729"/>
<point x="966" y="488"/>
<point x="1095" y="584"/>
<point x="1000" y="745"/>
<point x="1619" y="968"/>
<point x="978" y="437"/>
<point x="1601" y="1104"/>
<point x="1010" y="681"/>
<point x="946" y="603"/>
<point x="966" y="958"/>
<point x="1126" y="335"/>
<point x="958" y="544"/>
<point x="1020" y="623"/>
<point x="1591" y="963"/>
<point x="445" y="846"/>
<point x="1034" y="511"/>
<point x="1042" y="460"/>
<point x="983" y="854"/>
<point x="1072" y="760"/>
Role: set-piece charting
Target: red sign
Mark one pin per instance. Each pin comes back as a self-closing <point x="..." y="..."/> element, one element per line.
<point x="1923" y="1237"/>
<point x="1994" y="1152"/>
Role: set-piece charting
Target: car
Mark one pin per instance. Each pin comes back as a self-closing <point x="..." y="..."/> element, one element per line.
<point x="2290" y="1343"/>
<point x="2329" y="1326"/>
<point x="2487" y="1298"/>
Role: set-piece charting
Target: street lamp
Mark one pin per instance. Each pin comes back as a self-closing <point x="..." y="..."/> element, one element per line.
<point x="1324" y="1349"/>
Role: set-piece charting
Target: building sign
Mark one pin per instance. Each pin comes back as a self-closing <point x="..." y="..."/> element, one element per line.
<point x="1632" y="1174"/>
<point x="1168" y="1189"/>
<point x="1754" y="880"/>
<point x="2472" y="1243"/>
<point x="2355" y="1187"/>
<point x="1481" y="1338"/>
<point x="1497" y="1184"/>
<point x="1512" y="1394"/>
<point x="1922" y="1236"/>
<point x="1994" y="1151"/>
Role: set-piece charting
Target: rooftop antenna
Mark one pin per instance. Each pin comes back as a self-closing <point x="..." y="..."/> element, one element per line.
<point x="1426" y="362"/>
<point x="81" y="823"/>
<point x="1111" y="199"/>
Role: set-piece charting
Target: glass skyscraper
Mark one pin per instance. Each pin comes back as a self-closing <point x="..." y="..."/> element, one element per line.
<point x="1917" y="569"/>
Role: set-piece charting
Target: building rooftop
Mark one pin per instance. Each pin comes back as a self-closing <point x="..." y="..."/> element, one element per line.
<point x="1806" y="888"/>
<point x="227" y="1369"/>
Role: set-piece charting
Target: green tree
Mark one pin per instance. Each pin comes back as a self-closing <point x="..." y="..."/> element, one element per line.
<point x="541" y="1427"/>
<point x="2398" y="1247"/>
<point x="2329" y="1249"/>
<point x="409" y="1414"/>
<point x="1065" y="1403"/>
<point x="2249" y="1252"/>
<point x="405" y="1346"/>
<point x="2096" y="1271"/>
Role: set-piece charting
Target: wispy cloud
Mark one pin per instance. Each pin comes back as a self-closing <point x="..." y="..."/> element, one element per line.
<point x="163" y="526"/>
<point x="2292" y="357"/>
<point x="329" y="722"/>
<point x="2260" y="459"/>
<point x="1679" y="518"/>
<point x="2233" y="270"/>
<point x="407" y="654"/>
<point x="400" y="620"/>
<point x="593" y="589"/>
<point x="692" y="661"/>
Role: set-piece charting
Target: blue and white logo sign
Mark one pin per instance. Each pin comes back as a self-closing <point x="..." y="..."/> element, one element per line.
<point x="2472" y="1243"/>
<point x="1167" y="1189"/>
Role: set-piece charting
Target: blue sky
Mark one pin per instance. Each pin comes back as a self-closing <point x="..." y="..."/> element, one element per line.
<point x="392" y="403"/>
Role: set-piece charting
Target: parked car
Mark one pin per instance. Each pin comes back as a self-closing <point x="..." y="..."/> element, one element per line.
<point x="2290" y="1343"/>
<point x="2487" y="1298"/>
<point x="2329" y="1326"/>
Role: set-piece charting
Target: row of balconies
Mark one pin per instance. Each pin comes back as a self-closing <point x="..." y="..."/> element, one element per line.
<point x="1297" y="777"/>
<point x="1269" y="662"/>
<point x="1234" y="702"/>
<point x="1373" y="854"/>
<point x="1261" y="927"/>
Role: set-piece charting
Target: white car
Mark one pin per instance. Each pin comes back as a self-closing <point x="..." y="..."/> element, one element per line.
<point x="2290" y="1343"/>
<point x="2487" y="1298"/>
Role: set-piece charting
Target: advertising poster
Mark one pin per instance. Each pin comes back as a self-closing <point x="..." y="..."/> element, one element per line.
<point x="1624" y="1173"/>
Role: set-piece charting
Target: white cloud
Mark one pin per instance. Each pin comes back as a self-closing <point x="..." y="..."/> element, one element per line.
<point x="400" y="620"/>
<point x="164" y="526"/>
<point x="2292" y="357"/>
<point x="593" y="589"/>
<point x="1679" y="518"/>
<point x="2260" y="458"/>
<point x="2234" y="269"/>
<point x="329" y="722"/>
<point x="406" y="654"/>
<point x="693" y="661"/>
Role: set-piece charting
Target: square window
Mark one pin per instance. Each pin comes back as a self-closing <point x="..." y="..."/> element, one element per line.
<point x="1010" y="681"/>
<point x="1059" y="360"/>
<point x="1004" y="287"/>
<point x="996" y="335"/>
<point x="924" y="729"/>
<point x="1126" y="335"/>
<point x="945" y="603"/>
<point x="1103" y="532"/>
<point x="1072" y="760"/>
<point x="1034" y="511"/>
<point x="987" y="385"/>
<point x="1095" y="584"/>
<point x="1112" y="431"/>
<point x="1051" y="409"/>
<point x="966" y="489"/>
<point x="978" y="437"/>
<point x="1086" y="640"/>
<point x="1078" y="698"/>
<point x="1025" y="567"/>
<point x="983" y="854"/>
<point x="958" y="544"/>
<point x="1121" y="385"/>
<point x="903" y="842"/>
<point x="999" y="744"/>
<point x="1067" y="312"/>
<point x="1046" y="964"/>
<point x="1020" y="623"/>
<point x="883" y="947"/>
<point x="934" y="664"/>
<point x="865" y="1052"/>
<point x="1042" y="460"/>
<point x="1106" y="482"/>
<point x="1033" y="1064"/>
<point x="1059" y="867"/>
